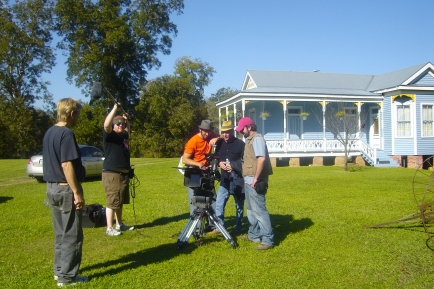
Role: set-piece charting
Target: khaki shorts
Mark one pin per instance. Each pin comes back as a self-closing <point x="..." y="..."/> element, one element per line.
<point x="117" y="189"/>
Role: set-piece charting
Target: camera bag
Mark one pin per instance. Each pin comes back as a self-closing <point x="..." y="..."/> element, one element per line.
<point x="94" y="216"/>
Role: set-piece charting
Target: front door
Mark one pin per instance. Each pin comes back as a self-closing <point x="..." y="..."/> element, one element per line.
<point x="374" y="128"/>
<point x="294" y="123"/>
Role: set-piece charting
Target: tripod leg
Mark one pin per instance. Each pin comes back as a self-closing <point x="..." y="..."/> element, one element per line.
<point x="221" y="228"/>
<point x="188" y="230"/>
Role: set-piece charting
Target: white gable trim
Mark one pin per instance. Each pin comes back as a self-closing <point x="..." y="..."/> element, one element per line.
<point x="428" y="66"/>
<point x="404" y="88"/>
<point x="248" y="83"/>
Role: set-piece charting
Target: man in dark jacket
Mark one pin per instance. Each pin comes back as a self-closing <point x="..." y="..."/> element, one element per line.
<point x="230" y="154"/>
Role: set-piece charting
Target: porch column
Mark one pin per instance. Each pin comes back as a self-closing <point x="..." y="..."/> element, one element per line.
<point x="285" y="131"/>
<point x="359" y="110"/>
<point x="380" y="104"/>
<point x="243" y="106"/>
<point x="323" y="103"/>
<point x="235" y="117"/>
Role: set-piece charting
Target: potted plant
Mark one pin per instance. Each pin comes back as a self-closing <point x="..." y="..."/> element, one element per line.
<point x="304" y="115"/>
<point x="223" y="116"/>
<point x="340" y="114"/>
<point x="264" y="115"/>
<point x="230" y="113"/>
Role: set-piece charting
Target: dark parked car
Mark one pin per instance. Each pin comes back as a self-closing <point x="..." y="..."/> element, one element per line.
<point x="91" y="157"/>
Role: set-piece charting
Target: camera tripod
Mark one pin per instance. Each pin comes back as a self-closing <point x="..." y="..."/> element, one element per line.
<point x="201" y="212"/>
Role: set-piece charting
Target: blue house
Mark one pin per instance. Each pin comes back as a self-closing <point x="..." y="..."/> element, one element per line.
<point x="391" y="115"/>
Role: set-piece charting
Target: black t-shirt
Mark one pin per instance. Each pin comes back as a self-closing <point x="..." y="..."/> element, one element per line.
<point x="116" y="151"/>
<point x="59" y="146"/>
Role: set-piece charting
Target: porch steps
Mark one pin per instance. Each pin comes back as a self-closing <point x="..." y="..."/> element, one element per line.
<point x="383" y="160"/>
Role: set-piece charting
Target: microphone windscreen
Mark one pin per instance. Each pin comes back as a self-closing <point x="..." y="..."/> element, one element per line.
<point x="96" y="90"/>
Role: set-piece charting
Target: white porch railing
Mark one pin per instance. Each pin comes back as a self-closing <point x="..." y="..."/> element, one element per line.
<point x="310" y="145"/>
<point x="369" y="153"/>
<point x="318" y="146"/>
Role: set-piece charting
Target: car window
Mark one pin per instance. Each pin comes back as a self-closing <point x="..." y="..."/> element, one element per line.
<point x="94" y="152"/>
<point x="84" y="152"/>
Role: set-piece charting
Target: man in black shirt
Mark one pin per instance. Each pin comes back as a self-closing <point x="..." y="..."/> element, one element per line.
<point x="230" y="154"/>
<point x="115" y="169"/>
<point x="63" y="172"/>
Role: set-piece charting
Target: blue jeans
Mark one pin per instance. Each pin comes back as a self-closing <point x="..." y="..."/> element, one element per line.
<point x="222" y="198"/>
<point x="68" y="232"/>
<point x="259" y="218"/>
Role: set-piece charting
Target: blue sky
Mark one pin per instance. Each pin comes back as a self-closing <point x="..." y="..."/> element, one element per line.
<point x="343" y="36"/>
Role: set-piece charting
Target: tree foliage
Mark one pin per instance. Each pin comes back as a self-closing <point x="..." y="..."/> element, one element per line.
<point x="198" y="73"/>
<point x="115" y="41"/>
<point x="221" y="94"/>
<point x="25" y="52"/>
<point x="90" y="125"/>
<point x="170" y="109"/>
<point x="23" y="129"/>
<point x="167" y="114"/>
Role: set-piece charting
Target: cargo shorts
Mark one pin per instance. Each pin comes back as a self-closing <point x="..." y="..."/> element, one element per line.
<point x="117" y="189"/>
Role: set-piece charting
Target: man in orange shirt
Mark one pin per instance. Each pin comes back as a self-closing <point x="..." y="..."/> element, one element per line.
<point x="195" y="153"/>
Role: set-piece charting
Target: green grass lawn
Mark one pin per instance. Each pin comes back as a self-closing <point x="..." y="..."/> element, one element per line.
<point x="318" y="215"/>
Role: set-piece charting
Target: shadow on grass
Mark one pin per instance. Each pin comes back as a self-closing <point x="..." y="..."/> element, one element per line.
<point x="165" y="220"/>
<point x="134" y="260"/>
<point x="283" y="225"/>
<point x="5" y="199"/>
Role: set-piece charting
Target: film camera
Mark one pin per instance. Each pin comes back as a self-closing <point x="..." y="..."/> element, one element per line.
<point x="203" y="180"/>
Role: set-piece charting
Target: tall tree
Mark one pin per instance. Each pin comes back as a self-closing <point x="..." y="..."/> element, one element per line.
<point x="90" y="125"/>
<point x="23" y="129"/>
<point x="25" y="52"/>
<point x="166" y="116"/>
<point x="170" y="109"/>
<point x="221" y="94"/>
<point x="197" y="72"/>
<point x="115" y="42"/>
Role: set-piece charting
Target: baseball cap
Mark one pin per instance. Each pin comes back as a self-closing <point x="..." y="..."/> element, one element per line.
<point x="243" y="122"/>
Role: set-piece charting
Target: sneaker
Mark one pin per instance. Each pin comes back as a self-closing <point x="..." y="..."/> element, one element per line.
<point x="246" y="238"/>
<point x="75" y="281"/>
<point x="214" y="232"/>
<point x="263" y="247"/>
<point x="123" y="227"/>
<point x="112" y="232"/>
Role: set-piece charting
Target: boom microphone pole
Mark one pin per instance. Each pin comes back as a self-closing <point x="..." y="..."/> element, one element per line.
<point x="97" y="92"/>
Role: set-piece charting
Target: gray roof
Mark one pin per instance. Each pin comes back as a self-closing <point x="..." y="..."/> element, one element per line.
<point x="393" y="79"/>
<point x="327" y="83"/>
<point x="310" y="91"/>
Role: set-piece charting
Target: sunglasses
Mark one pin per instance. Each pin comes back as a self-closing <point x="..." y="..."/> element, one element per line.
<point x="120" y="123"/>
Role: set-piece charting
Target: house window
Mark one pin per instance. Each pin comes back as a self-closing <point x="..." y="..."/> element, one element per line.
<point x="294" y="111"/>
<point x="376" y="126"/>
<point x="427" y="120"/>
<point x="403" y="121"/>
<point x="350" y="111"/>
